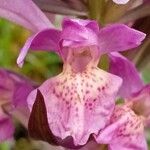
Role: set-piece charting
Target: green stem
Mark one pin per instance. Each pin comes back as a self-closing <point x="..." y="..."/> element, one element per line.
<point x="96" y="10"/>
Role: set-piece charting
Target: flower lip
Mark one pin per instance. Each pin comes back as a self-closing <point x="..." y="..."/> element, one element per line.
<point x="75" y="100"/>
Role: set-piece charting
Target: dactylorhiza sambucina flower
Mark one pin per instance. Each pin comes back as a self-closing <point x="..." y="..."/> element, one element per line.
<point x="14" y="90"/>
<point x="78" y="102"/>
<point x="126" y="128"/>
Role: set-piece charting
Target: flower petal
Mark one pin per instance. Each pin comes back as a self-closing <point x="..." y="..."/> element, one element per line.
<point x="119" y="37"/>
<point x="6" y="129"/>
<point x="78" y="32"/>
<point x="44" y="40"/>
<point x="121" y="1"/>
<point x="125" y="131"/>
<point x="91" y="24"/>
<point x="75" y="101"/>
<point x="122" y="67"/>
<point x="25" y="13"/>
<point x="14" y="88"/>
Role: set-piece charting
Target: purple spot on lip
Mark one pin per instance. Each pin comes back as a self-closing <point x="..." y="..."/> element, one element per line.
<point x="67" y="102"/>
<point x="87" y="92"/>
<point x="99" y="89"/>
<point x="94" y="99"/>
<point x="103" y="88"/>
<point x="54" y="91"/>
<point x="90" y="104"/>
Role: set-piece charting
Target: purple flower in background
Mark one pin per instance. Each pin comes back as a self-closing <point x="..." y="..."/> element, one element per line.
<point x="126" y="127"/>
<point x="14" y="90"/>
<point x="122" y="67"/>
<point x="6" y="127"/>
<point x="82" y="94"/>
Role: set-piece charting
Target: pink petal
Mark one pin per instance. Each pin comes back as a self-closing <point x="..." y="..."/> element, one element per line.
<point x="125" y="131"/>
<point x="44" y="40"/>
<point x="122" y="67"/>
<point x="6" y="129"/>
<point x="24" y="13"/>
<point x="75" y="101"/>
<point x="21" y="92"/>
<point x="91" y="24"/>
<point x="119" y="37"/>
<point x="121" y="1"/>
<point x="14" y="90"/>
<point x="78" y="32"/>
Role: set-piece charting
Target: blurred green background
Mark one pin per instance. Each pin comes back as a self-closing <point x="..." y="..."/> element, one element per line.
<point x="38" y="65"/>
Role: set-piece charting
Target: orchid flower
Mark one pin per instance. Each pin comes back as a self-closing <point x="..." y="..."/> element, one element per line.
<point x="82" y="93"/>
<point x="14" y="90"/>
<point x="69" y="103"/>
<point x="126" y="128"/>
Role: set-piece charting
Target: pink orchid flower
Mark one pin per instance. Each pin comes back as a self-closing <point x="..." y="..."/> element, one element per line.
<point x="78" y="102"/>
<point x="82" y="93"/>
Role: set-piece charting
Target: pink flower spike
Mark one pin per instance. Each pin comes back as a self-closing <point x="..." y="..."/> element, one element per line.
<point x="24" y="13"/>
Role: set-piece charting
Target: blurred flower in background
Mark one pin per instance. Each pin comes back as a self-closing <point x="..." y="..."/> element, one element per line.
<point x="39" y="66"/>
